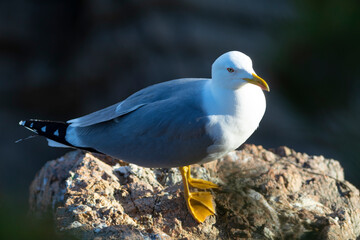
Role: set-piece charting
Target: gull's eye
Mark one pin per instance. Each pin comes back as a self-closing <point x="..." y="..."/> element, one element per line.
<point x="230" y="70"/>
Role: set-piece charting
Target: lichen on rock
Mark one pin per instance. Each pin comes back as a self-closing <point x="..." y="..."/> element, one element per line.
<point x="265" y="194"/>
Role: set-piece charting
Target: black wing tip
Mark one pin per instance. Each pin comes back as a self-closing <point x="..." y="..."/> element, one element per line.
<point x="27" y="124"/>
<point x="29" y="121"/>
<point x="33" y="125"/>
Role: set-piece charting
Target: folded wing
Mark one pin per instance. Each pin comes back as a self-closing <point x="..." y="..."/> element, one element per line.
<point x="139" y="99"/>
<point x="103" y="115"/>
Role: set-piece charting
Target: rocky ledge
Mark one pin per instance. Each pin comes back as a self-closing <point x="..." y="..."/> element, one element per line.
<point x="265" y="194"/>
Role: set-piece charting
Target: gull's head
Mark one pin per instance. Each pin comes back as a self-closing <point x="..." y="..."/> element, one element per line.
<point x="234" y="69"/>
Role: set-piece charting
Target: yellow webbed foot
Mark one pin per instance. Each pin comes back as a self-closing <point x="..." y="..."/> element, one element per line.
<point x="202" y="184"/>
<point x="199" y="204"/>
<point x="198" y="183"/>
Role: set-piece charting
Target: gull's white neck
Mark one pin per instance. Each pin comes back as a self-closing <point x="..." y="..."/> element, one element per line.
<point x="223" y="101"/>
<point x="233" y="115"/>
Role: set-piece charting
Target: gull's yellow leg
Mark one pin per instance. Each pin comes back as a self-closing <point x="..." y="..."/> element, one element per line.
<point x="199" y="183"/>
<point x="200" y="204"/>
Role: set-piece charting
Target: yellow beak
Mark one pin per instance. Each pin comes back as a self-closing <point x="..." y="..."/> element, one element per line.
<point x="259" y="82"/>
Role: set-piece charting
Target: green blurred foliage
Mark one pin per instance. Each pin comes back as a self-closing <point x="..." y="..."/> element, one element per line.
<point x="318" y="70"/>
<point x="15" y="223"/>
<point x="322" y="56"/>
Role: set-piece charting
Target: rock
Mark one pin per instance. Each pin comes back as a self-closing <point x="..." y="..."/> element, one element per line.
<point x="277" y="194"/>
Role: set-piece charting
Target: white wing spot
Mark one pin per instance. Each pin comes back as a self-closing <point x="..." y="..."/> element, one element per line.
<point x="56" y="133"/>
<point x="43" y="129"/>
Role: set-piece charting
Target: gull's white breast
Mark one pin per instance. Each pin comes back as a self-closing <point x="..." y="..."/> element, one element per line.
<point x="234" y="116"/>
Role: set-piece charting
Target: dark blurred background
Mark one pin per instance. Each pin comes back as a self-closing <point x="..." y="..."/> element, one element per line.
<point x="62" y="59"/>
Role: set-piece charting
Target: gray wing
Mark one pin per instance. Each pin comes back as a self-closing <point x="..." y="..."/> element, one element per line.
<point x="145" y="96"/>
<point x="166" y="133"/>
<point x="103" y="115"/>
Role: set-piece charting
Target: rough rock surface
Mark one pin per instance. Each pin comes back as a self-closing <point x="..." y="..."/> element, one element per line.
<point x="276" y="194"/>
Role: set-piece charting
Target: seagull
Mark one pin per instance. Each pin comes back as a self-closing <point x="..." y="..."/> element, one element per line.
<point x="173" y="124"/>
